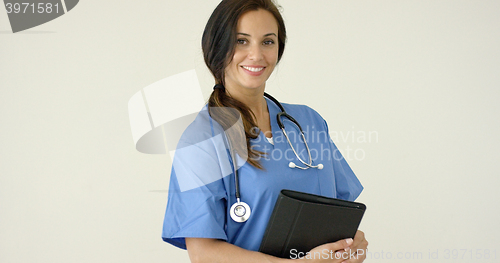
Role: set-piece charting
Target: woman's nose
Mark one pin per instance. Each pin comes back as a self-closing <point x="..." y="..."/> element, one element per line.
<point x="255" y="53"/>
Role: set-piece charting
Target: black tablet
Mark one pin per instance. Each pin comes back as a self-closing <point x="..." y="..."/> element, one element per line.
<point x="302" y="221"/>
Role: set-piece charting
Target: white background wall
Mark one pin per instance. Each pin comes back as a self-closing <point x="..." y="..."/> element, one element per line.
<point x="423" y="75"/>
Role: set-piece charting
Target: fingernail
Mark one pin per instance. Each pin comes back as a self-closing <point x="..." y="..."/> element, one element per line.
<point x="348" y="241"/>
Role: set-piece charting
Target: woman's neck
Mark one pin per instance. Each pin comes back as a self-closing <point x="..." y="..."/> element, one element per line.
<point x="252" y="98"/>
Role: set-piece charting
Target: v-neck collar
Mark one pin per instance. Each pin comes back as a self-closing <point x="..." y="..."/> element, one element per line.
<point x="275" y="129"/>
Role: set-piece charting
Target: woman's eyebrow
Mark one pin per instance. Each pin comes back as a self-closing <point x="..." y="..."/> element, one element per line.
<point x="266" y="35"/>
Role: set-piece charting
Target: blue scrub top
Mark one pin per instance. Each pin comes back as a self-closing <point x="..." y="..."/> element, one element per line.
<point x="202" y="187"/>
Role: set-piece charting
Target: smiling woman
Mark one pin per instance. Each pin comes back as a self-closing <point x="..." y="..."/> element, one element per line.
<point x="254" y="59"/>
<point x="242" y="34"/>
<point x="242" y="43"/>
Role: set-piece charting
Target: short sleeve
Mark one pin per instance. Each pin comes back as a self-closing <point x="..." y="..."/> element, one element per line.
<point x="347" y="184"/>
<point x="197" y="195"/>
<point x="198" y="212"/>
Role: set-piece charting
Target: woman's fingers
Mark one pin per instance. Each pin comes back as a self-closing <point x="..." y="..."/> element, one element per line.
<point x="346" y="250"/>
<point x="357" y="252"/>
<point x="359" y="238"/>
<point x="338" y="246"/>
<point x="330" y="252"/>
<point x="360" y="241"/>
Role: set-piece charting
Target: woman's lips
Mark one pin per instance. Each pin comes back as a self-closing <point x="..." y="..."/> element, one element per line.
<point x="253" y="70"/>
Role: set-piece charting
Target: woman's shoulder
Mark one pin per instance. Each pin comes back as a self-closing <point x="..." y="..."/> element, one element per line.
<point x="197" y="127"/>
<point x="200" y="156"/>
<point x="302" y="111"/>
<point x="293" y="106"/>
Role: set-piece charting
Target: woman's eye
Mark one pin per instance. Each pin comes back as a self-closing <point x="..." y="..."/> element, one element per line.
<point x="241" y="41"/>
<point x="268" y="42"/>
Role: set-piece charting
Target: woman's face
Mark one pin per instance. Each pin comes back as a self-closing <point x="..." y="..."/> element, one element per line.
<point x="256" y="51"/>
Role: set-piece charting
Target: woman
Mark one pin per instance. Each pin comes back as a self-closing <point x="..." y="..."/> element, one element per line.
<point x="242" y="43"/>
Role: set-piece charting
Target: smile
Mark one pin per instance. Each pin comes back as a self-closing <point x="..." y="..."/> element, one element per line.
<point x="253" y="69"/>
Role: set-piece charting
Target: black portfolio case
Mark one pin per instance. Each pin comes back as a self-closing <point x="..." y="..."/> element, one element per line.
<point x="301" y="222"/>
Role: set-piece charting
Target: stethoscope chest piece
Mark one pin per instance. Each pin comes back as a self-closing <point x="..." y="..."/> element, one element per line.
<point x="240" y="212"/>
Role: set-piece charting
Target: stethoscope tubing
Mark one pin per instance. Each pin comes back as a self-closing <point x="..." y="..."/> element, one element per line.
<point x="240" y="211"/>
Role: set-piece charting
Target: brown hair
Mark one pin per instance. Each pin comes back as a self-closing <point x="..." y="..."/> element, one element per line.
<point x="218" y="44"/>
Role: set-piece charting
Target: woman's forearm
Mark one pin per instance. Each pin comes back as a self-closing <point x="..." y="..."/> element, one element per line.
<point x="205" y="250"/>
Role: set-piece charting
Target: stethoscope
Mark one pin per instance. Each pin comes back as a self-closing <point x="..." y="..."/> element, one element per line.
<point x="240" y="211"/>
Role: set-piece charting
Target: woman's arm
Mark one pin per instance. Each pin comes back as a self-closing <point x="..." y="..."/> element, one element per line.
<point x="206" y="250"/>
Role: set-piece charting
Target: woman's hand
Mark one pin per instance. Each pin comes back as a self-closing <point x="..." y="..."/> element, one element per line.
<point x="357" y="251"/>
<point x="345" y="251"/>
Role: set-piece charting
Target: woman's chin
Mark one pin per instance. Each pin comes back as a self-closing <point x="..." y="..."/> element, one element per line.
<point x="255" y="86"/>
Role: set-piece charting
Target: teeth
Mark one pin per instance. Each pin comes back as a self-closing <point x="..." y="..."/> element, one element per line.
<point x="253" y="69"/>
